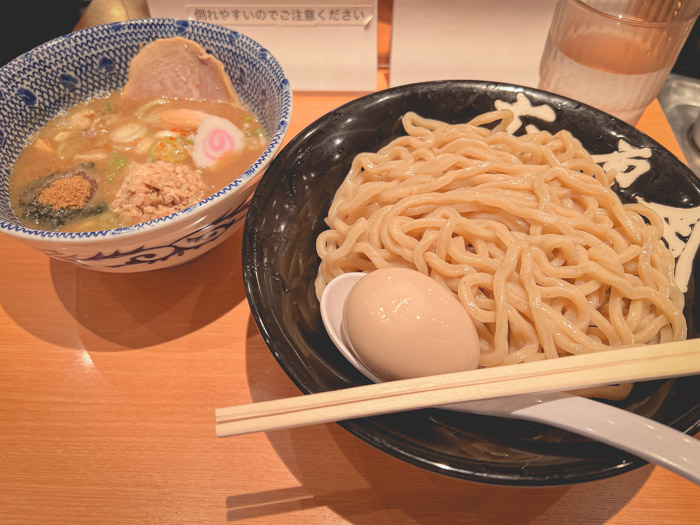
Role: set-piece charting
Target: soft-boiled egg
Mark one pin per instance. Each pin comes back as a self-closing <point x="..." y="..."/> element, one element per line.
<point x="403" y="324"/>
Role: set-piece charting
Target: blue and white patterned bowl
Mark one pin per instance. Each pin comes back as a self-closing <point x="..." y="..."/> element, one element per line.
<point x="47" y="80"/>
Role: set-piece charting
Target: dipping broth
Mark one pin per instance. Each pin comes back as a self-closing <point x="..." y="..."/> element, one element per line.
<point x="72" y="175"/>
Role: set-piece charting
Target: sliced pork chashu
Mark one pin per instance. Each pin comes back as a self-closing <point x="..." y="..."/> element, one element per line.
<point x="178" y="68"/>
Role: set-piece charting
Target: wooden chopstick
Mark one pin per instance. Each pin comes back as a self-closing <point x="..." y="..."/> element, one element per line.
<point x="639" y="363"/>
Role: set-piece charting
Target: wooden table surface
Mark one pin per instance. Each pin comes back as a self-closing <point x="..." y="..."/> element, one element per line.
<point x="108" y="385"/>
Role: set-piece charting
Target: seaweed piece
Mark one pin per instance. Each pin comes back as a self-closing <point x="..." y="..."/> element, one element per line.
<point x="62" y="197"/>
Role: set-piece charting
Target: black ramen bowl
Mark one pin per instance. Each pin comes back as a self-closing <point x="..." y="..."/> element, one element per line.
<point x="280" y="264"/>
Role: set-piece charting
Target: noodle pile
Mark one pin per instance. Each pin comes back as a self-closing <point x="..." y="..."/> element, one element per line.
<point x="524" y="230"/>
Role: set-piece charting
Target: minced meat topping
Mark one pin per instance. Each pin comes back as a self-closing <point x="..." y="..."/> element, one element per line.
<point x="157" y="189"/>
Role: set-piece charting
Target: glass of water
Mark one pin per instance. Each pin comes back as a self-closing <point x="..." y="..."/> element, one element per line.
<point x="615" y="54"/>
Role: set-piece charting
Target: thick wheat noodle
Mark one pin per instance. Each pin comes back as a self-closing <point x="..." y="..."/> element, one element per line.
<point x="525" y="230"/>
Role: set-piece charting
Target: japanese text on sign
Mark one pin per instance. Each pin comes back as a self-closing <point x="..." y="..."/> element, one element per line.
<point x="281" y="15"/>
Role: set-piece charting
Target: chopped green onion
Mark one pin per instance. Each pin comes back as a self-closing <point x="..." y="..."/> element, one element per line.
<point x="108" y="221"/>
<point x="141" y="111"/>
<point x="115" y="163"/>
<point x="169" y="149"/>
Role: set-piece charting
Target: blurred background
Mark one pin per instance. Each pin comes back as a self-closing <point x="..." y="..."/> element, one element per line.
<point x="30" y="23"/>
<point x="688" y="62"/>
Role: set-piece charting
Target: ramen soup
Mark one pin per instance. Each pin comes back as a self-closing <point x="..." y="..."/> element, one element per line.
<point x="124" y="159"/>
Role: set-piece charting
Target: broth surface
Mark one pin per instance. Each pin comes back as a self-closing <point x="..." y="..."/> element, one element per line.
<point x="105" y="139"/>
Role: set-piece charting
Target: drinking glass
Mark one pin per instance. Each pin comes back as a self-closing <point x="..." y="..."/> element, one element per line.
<point x="615" y="54"/>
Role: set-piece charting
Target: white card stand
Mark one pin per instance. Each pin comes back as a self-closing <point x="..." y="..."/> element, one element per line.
<point x="469" y="39"/>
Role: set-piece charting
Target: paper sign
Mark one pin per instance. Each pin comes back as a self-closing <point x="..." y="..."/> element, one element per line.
<point x="283" y="15"/>
<point x="329" y="45"/>
<point x="469" y="39"/>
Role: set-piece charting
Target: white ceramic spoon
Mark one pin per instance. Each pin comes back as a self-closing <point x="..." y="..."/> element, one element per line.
<point x="640" y="436"/>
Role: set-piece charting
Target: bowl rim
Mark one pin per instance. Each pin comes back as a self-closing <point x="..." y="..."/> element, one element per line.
<point x="257" y="167"/>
